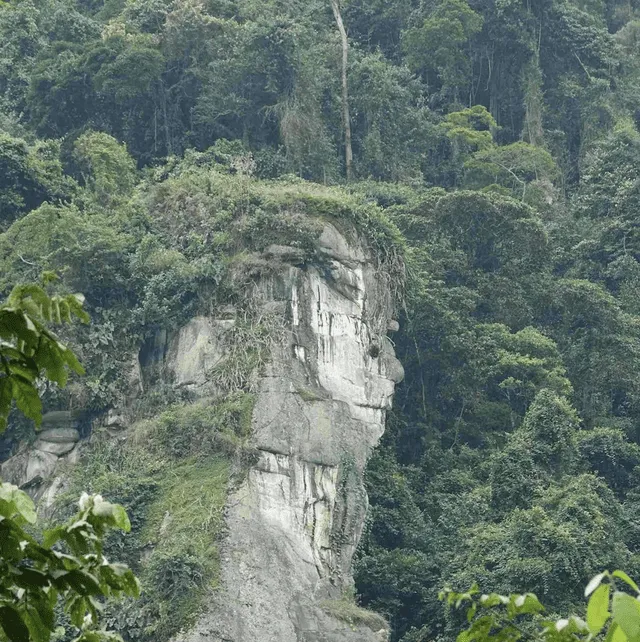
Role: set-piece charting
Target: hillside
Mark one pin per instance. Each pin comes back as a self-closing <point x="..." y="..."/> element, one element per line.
<point x="185" y="164"/>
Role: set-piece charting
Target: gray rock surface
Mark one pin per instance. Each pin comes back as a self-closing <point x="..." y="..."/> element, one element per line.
<point x="59" y="435"/>
<point x="59" y="418"/>
<point x="54" y="447"/>
<point x="195" y="350"/>
<point x="294" y="524"/>
<point x="33" y="467"/>
<point x="40" y="465"/>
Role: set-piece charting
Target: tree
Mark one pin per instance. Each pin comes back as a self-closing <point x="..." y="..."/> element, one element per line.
<point x="31" y="174"/>
<point x="28" y="348"/>
<point x="67" y="566"/>
<point x="608" y="201"/>
<point x="513" y="166"/>
<point x="346" y="115"/>
<point x="106" y="166"/>
<point x="393" y="130"/>
<point x="436" y="49"/>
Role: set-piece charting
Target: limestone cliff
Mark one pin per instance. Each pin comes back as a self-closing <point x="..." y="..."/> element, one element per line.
<point x="293" y="523"/>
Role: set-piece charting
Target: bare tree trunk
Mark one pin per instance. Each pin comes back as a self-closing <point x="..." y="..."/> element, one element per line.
<point x="348" y="153"/>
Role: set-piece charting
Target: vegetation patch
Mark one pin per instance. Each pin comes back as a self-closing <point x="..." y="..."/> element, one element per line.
<point x="346" y="610"/>
<point x="172" y="474"/>
<point x="184" y="523"/>
<point x="248" y="344"/>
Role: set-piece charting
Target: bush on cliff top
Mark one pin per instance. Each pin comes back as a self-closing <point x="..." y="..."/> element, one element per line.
<point x="167" y="250"/>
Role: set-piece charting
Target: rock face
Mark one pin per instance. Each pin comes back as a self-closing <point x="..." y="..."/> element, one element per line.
<point x="295" y="522"/>
<point x="56" y="443"/>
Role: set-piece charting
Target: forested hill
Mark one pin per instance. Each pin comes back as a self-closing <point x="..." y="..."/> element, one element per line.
<point x="167" y="76"/>
<point x="499" y="136"/>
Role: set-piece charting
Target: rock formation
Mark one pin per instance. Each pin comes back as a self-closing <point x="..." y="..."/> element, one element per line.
<point x="32" y="468"/>
<point x="293" y="524"/>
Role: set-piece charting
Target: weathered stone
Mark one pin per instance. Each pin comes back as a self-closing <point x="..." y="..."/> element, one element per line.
<point x="393" y="326"/>
<point x="55" y="487"/>
<point x="294" y="525"/>
<point x="197" y="348"/>
<point x="59" y="418"/>
<point x="334" y="244"/>
<point x="54" y="447"/>
<point x="40" y="464"/>
<point x="59" y="435"/>
<point x="275" y="307"/>
<point x="154" y="349"/>
<point x="32" y="468"/>
<point x="285" y="253"/>
<point x="115" y="420"/>
<point x="390" y="366"/>
<point x="135" y="379"/>
<point x="14" y="470"/>
<point x="73" y="457"/>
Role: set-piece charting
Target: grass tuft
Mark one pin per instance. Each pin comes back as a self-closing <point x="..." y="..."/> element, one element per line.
<point x="346" y="610"/>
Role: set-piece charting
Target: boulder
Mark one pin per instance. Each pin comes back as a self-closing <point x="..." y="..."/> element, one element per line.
<point x="393" y="326"/>
<point x="54" y="447"/>
<point x="334" y="245"/>
<point x="115" y="420"/>
<point x="40" y="464"/>
<point x="59" y="418"/>
<point x="59" y="435"/>
<point x="14" y="470"/>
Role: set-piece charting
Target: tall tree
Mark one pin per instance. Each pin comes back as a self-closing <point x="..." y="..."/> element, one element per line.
<point x="346" y="116"/>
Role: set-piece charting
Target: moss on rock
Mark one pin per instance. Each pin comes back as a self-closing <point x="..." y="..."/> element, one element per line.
<point x="172" y="473"/>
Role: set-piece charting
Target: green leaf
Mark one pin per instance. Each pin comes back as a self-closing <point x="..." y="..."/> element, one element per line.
<point x="121" y="577"/>
<point x="18" y="502"/>
<point x="13" y="626"/>
<point x="598" y="609"/>
<point x="83" y="582"/>
<point x="114" y="513"/>
<point x="39" y="618"/>
<point x="23" y="370"/>
<point x="625" y="578"/>
<point x="121" y="518"/>
<point x="493" y="599"/>
<point x="471" y="611"/>
<point x="27" y="399"/>
<point x="626" y="613"/>
<point x="76" y="608"/>
<point x="594" y="583"/>
<point x="615" y="634"/>
<point x="31" y="577"/>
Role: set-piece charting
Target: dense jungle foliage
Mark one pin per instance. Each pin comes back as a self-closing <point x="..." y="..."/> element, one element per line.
<point x="144" y="142"/>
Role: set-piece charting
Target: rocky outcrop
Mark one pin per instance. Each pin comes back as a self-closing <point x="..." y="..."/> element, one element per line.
<point x="295" y="522"/>
<point x="34" y="465"/>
